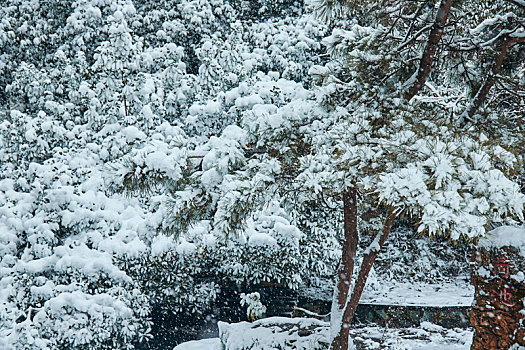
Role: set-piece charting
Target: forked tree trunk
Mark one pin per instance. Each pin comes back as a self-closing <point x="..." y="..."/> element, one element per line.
<point x="343" y="308"/>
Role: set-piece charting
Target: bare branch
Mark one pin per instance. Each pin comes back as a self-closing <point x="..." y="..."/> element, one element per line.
<point x="409" y="41"/>
<point x="430" y="50"/>
<point x="482" y="93"/>
<point x="519" y="3"/>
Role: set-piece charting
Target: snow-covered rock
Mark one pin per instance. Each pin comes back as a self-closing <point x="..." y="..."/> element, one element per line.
<point x="275" y="333"/>
<point x="504" y="236"/>
<point x="203" y="344"/>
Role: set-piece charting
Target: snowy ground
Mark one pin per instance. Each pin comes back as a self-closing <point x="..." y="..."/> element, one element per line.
<point x="205" y="344"/>
<point x="458" y="292"/>
<point x="428" y="337"/>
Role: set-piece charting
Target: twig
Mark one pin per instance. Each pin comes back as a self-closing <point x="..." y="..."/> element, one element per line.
<point x="310" y="313"/>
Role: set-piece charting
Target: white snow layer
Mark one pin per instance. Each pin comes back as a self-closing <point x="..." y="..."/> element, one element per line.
<point x="260" y="335"/>
<point x="274" y="333"/>
<point x="204" y="344"/>
<point x="504" y="236"/>
<point x="383" y="292"/>
<point x="420" y="294"/>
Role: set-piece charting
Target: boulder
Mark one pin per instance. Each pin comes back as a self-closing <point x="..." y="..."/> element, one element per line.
<point x="275" y="333"/>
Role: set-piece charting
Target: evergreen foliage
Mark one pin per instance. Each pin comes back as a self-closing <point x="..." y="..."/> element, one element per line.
<point x="149" y="149"/>
<point x="90" y="86"/>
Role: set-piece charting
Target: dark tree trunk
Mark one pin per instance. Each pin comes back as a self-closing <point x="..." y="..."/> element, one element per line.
<point x="496" y="314"/>
<point x="343" y="311"/>
<point x="346" y="268"/>
<point x="427" y="58"/>
<point x="368" y="261"/>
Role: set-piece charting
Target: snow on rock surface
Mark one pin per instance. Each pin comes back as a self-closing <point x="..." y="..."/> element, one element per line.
<point x="275" y="333"/>
<point x="203" y="344"/>
<point x="504" y="236"/>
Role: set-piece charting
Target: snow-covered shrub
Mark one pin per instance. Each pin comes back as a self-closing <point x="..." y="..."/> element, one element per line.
<point x="177" y="277"/>
<point x="267" y="252"/>
<point x="74" y="298"/>
<point x="254" y="307"/>
<point x="267" y="8"/>
<point x="58" y="276"/>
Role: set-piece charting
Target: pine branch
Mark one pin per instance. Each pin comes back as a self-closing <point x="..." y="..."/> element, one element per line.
<point x="430" y="49"/>
<point x="482" y="93"/>
<point x="520" y="3"/>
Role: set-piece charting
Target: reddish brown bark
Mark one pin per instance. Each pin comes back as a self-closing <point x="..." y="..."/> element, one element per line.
<point x="498" y="299"/>
<point x="346" y="268"/>
<point x="482" y="93"/>
<point x="366" y="266"/>
<point x="430" y="49"/>
<point x="341" y="340"/>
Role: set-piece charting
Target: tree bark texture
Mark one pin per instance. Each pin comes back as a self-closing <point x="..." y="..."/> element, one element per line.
<point x="425" y="64"/>
<point x="346" y="268"/>
<point x="341" y="341"/>
<point x="498" y="299"/>
<point x="366" y="266"/>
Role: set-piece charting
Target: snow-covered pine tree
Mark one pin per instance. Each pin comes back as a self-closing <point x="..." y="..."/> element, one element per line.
<point x="210" y="72"/>
<point x="395" y="70"/>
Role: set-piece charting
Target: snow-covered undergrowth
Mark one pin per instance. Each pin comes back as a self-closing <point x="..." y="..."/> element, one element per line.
<point x="87" y="87"/>
<point x="286" y="333"/>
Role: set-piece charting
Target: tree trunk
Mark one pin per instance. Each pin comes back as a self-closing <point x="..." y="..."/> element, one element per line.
<point x="430" y="49"/>
<point x="368" y="261"/>
<point x="345" y="310"/>
<point x="339" y="335"/>
<point x="496" y="314"/>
